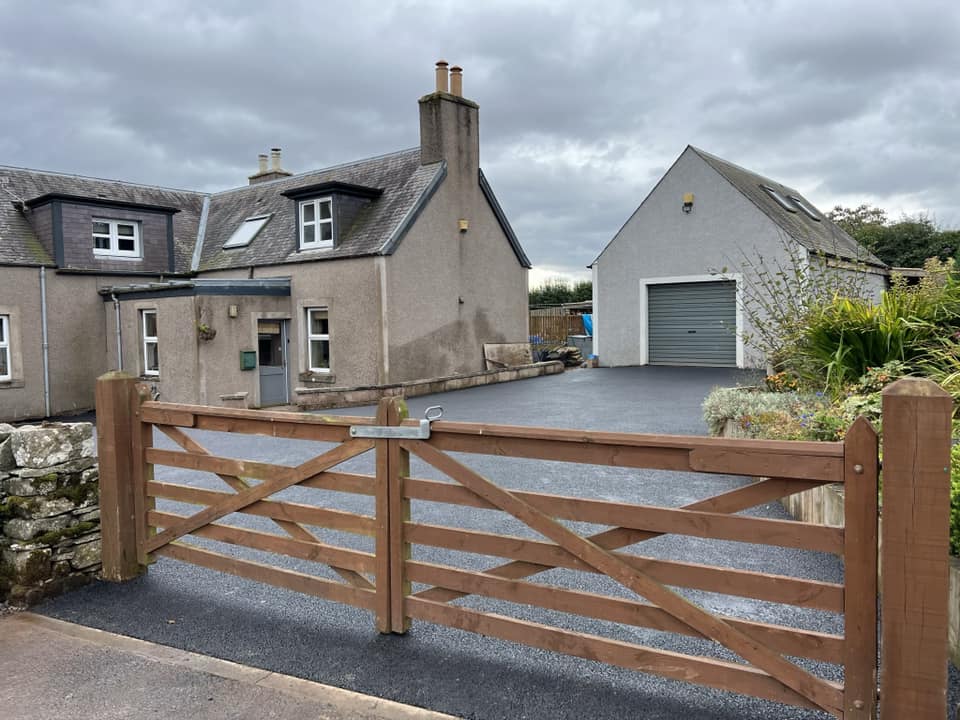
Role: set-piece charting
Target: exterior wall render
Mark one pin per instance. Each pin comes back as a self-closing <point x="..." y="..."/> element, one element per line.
<point x="79" y="335"/>
<point x="660" y="240"/>
<point x="448" y="292"/>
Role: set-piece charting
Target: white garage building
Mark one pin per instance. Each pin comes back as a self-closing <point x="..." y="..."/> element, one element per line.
<point x="667" y="288"/>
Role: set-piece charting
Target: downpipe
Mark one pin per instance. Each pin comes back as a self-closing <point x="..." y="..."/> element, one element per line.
<point x="116" y="312"/>
<point x="45" y="344"/>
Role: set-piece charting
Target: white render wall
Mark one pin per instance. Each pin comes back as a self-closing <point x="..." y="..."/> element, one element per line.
<point x="661" y="241"/>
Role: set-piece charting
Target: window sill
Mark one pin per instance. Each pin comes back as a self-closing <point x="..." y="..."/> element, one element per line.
<point x="317" y="378"/>
<point x="11" y="384"/>
<point x="125" y="258"/>
<point x="149" y="378"/>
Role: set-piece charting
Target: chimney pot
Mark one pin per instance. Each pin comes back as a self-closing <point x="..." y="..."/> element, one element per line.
<point x="456" y="81"/>
<point x="262" y="160"/>
<point x="442" y="84"/>
<point x="275" y="159"/>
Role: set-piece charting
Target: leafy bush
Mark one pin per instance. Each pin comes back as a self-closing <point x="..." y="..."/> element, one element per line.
<point x="876" y="379"/>
<point x="847" y="337"/>
<point x="782" y="382"/>
<point x="771" y="415"/>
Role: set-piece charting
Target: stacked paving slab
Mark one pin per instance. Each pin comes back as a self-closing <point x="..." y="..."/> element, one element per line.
<point x="49" y="510"/>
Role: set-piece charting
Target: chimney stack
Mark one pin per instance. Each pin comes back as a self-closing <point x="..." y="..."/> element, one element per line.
<point x="274" y="172"/>
<point x="449" y="125"/>
<point x="456" y="81"/>
<point x="442" y="85"/>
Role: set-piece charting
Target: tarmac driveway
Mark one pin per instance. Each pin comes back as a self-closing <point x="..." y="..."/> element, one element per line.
<point x="448" y="670"/>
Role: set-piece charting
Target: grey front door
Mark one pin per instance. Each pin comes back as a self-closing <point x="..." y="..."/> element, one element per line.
<point x="693" y="324"/>
<point x="272" y="359"/>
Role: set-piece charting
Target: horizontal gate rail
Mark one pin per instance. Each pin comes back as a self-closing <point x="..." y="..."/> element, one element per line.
<point x="689" y="668"/>
<point x="268" y="542"/>
<point x="259" y="572"/>
<point x="767" y="458"/>
<point x="729" y="581"/>
<point x="274" y="509"/>
<point x="788" y="641"/>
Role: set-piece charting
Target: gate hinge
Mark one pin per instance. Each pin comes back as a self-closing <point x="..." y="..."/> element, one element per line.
<point x="399" y="432"/>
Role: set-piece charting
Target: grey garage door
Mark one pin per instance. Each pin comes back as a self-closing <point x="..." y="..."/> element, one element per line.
<point x="693" y="324"/>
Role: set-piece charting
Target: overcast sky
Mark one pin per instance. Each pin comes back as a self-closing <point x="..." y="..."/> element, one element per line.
<point x="583" y="105"/>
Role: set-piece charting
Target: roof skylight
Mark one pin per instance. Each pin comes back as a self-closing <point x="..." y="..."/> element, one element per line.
<point x="246" y="232"/>
<point x="781" y="200"/>
<point x="807" y="208"/>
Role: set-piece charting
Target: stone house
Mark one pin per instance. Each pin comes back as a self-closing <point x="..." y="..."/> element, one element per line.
<point x="668" y="288"/>
<point x="383" y="270"/>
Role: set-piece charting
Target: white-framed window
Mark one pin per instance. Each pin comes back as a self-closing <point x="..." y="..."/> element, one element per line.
<point x="316" y="224"/>
<point x="151" y="346"/>
<point x="246" y="232"/>
<point x="318" y="340"/>
<point x="5" y="371"/>
<point x="116" y="238"/>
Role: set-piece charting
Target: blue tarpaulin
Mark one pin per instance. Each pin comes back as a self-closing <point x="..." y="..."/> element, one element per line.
<point x="587" y="323"/>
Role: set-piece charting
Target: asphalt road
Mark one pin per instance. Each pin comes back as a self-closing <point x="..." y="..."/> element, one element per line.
<point x="448" y="670"/>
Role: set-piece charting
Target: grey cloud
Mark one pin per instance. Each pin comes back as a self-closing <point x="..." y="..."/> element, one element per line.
<point x="841" y="99"/>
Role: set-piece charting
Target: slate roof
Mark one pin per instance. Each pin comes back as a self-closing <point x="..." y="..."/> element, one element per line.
<point x="19" y="244"/>
<point x="406" y="185"/>
<point x="821" y="236"/>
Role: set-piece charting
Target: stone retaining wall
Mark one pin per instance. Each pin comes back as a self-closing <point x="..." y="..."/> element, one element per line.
<point x="49" y="510"/>
<point x="327" y="398"/>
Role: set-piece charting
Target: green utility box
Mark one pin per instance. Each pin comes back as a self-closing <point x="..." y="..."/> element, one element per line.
<point x="248" y="359"/>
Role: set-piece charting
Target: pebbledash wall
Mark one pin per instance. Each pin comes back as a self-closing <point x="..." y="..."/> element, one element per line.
<point x="49" y="510"/>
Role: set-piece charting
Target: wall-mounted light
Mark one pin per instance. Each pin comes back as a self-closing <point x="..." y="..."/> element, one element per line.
<point x="688" y="202"/>
<point x="463" y="224"/>
<point x="233" y="310"/>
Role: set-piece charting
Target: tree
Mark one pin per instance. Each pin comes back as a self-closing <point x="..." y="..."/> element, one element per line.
<point x="908" y="242"/>
<point x="555" y="291"/>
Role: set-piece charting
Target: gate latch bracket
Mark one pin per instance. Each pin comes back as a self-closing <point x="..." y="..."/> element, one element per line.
<point x="399" y="432"/>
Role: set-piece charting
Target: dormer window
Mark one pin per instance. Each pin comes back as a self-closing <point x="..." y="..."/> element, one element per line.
<point x="316" y="224"/>
<point x="116" y="238"/>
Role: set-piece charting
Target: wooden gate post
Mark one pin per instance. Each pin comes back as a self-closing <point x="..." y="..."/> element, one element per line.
<point x="382" y="546"/>
<point x="399" y="514"/>
<point x="860" y="484"/>
<point x="117" y="397"/>
<point x="915" y="550"/>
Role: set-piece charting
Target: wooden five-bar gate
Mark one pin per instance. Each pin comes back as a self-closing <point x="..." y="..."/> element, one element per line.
<point x="912" y="678"/>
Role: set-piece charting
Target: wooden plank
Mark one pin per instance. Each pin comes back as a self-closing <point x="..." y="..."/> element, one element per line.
<point x="442" y="428"/>
<point x="741" y="583"/>
<point x="234" y="503"/>
<point x="453" y="494"/>
<point x="274" y="509"/>
<point x="399" y="513"/>
<point x="717" y="526"/>
<point x="156" y="414"/>
<point x="258" y="572"/>
<point x="342" y="482"/>
<point x="689" y="668"/>
<point x="860" y="572"/>
<point x="317" y="552"/>
<point x="635" y="453"/>
<point x="118" y="512"/>
<point x="731" y="501"/>
<point x="789" y="641"/>
<point x="802" y="682"/>
<point x="915" y="550"/>
<point x="275" y="416"/>
<point x="216" y="465"/>
<point x="382" y="523"/>
<point x="732" y="461"/>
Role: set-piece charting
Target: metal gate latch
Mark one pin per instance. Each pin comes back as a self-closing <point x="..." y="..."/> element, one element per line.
<point x="399" y="432"/>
